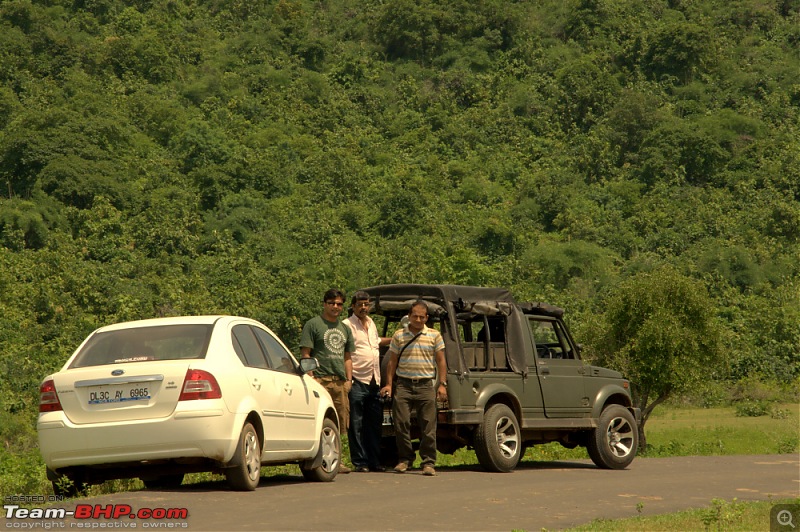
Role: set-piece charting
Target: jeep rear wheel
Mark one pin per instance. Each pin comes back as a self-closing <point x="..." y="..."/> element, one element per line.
<point x="498" y="442"/>
<point x="613" y="444"/>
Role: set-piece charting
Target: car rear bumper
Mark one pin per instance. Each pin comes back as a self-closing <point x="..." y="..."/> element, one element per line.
<point x="210" y="433"/>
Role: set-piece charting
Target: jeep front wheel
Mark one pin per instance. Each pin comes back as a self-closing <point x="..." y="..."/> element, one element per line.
<point x="613" y="444"/>
<point x="498" y="444"/>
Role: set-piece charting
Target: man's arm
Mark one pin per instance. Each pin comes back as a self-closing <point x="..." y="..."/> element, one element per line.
<point x="441" y="385"/>
<point x="307" y="340"/>
<point x="348" y="371"/>
<point x="348" y="366"/>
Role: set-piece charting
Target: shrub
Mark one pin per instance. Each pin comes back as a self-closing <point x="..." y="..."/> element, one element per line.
<point x="788" y="445"/>
<point x="751" y="408"/>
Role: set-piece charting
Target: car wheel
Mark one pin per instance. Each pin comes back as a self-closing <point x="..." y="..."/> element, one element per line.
<point x="498" y="442"/>
<point x="163" y="482"/>
<point x="246" y="463"/>
<point x="613" y="444"/>
<point x="329" y="454"/>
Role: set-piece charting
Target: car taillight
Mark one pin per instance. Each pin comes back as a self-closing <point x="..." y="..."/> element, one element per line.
<point x="199" y="384"/>
<point x="48" y="398"/>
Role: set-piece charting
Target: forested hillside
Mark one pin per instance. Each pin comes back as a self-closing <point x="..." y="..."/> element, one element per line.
<point x="166" y="157"/>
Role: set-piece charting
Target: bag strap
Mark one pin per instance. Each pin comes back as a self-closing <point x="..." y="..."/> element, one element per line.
<point x="408" y="344"/>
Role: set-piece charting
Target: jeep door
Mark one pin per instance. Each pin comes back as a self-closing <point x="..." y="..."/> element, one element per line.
<point x="559" y="369"/>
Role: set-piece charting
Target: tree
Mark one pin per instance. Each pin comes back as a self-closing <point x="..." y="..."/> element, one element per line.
<point x="680" y="49"/>
<point x="660" y="331"/>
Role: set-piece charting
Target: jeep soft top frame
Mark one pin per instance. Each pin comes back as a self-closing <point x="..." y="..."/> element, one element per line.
<point x="449" y="303"/>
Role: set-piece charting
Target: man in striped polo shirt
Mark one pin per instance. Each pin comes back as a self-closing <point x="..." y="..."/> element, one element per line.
<point x="419" y="385"/>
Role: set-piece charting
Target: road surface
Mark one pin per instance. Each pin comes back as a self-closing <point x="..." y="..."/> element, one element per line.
<point x="538" y="495"/>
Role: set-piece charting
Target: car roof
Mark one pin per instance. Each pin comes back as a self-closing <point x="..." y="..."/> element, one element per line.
<point x="174" y="320"/>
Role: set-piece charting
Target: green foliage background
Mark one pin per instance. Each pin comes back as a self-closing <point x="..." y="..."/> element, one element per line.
<point x="165" y="157"/>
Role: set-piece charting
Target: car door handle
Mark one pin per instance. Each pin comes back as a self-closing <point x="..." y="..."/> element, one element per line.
<point x="256" y="384"/>
<point x="287" y="388"/>
<point x="544" y="370"/>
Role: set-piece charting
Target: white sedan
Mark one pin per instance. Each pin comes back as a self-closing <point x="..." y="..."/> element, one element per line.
<point x="159" y="398"/>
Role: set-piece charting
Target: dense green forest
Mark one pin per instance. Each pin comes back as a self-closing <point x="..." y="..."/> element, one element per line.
<point x="167" y="157"/>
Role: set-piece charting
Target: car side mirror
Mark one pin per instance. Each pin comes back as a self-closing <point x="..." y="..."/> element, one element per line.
<point x="308" y="364"/>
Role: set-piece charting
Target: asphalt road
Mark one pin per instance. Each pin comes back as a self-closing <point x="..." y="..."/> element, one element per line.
<point x="538" y="495"/>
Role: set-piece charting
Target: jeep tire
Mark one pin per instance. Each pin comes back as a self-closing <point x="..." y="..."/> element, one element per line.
<point x="498" y="440"/>
<point x="613" y="444"/>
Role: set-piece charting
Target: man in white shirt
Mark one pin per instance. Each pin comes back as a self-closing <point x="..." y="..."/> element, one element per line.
<point x="366" y="408"/>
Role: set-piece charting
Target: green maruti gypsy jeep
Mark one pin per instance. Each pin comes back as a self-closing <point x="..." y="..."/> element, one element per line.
<point x="515" y="378"/>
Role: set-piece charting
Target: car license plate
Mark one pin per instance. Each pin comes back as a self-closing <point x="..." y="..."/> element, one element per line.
<point x="387" y="418"/>
<point x="119" y="394"/>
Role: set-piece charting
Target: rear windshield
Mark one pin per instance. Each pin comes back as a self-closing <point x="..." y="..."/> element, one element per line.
<point x="143" y="344"/>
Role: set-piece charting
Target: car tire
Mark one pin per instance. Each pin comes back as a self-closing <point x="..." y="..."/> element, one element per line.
<point x="330" y="454"/>
<point x="163" y="482"/>
<point x="245" y="471"/>
<point x="613" y="444"/>
<point x="498" y="440"/>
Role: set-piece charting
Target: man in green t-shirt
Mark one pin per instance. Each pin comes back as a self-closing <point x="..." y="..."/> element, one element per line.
<point x="331" y="342"/>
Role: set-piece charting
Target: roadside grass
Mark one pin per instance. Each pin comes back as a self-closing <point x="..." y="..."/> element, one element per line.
<point x="734" y="516"/>
<point x="678" y="431"/>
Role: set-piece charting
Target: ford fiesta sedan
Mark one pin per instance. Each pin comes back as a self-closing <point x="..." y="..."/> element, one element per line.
<point x="159" y="398"/>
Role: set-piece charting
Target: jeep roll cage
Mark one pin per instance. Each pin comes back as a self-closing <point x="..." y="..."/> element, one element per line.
<point x="452" y="304"/>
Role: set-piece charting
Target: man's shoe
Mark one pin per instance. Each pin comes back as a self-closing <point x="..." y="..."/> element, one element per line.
<point x="378" y="469"/>
<point x="428" y="471"/>
<point x="361" y="469"/>
<point x="343" y="469"/>
<point x="402" y="467"/>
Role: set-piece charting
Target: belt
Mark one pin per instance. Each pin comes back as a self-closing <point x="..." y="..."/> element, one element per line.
<point x="419" y="380"/>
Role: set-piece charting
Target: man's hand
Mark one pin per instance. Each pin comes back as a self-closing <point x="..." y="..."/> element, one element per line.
<point x="441" y="394"/>
<point x="348" y="385"/>
<point x="386" y="391"/>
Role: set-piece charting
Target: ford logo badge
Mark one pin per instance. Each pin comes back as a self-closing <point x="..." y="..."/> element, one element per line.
<point x="117" y="372"/>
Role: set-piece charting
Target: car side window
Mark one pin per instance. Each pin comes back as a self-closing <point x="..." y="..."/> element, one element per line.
<point x="279" y="358"/>
<point x="469" y="329"/>
<point x="564" y="341"/>
<point x="550" y="339"/>
<point x="247" y="347"/>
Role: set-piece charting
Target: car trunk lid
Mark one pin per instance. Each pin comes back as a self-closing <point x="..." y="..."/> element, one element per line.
<point x="121" y="392"/>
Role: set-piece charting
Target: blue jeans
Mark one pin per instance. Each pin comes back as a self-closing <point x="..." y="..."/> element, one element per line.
<point x="366" y="419"/>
